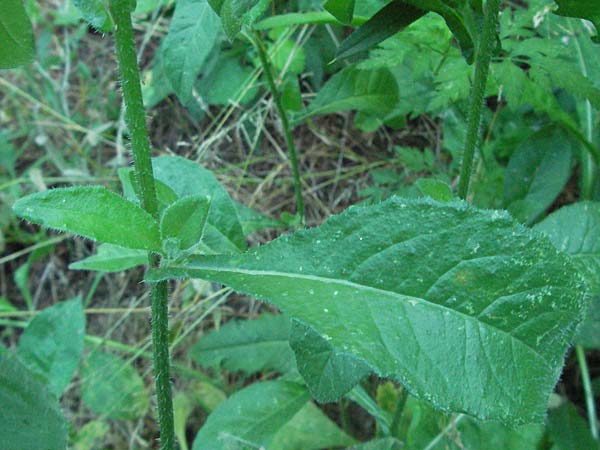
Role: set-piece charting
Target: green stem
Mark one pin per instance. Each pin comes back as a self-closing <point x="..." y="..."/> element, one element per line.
<point x="589" y="393"/>
<point x="136" y="121"/>
<point x="287" y="129"/>
<point x="482" y="68"/>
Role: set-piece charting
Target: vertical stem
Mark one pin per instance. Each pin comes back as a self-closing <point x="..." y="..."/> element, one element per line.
<point x="136" y="122"/>
<point x="589" y="393"/>
<point x="289" y="139"/>
<point x="482" y="68"/>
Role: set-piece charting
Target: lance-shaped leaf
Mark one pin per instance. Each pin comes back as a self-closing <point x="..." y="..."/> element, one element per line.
<point x="465" y="307"/>
<point x="112" y="258"/>
<point x="343" y="10"/>
<point x="16" y="35"/>
<point x="92" y="212"/>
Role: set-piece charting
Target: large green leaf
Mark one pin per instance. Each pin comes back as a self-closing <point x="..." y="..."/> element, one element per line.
<point x="575" y="229"/>
<point x="96" y="13"/>
<point x="112" y="387"/>
<point x="584" y="9"/>
<point x="193" y="33"/>
<point x="92" y="212"/>
<point x="249" y="346"/>
<point x="30" y="417"/>
<point x="537" y="172"/>
<point x="16" y="36"/>
<point x="223" y="232"/>
<point x="427" y="294"/>
<point x="112" y="258"/>
<point x="371" y="91"/>
<point x="252" y="417"/>
<point x="52" y="343"/>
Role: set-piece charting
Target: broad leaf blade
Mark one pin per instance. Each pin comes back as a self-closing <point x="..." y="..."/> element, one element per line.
<point x="52" y="343"/>
<point x="537" y="172"/>
<point x="30" y="416"/>
<point x="112" y="387"/>
<point x="373" y="91"/>
<point x="575" y="229"/>
<point x="252" y="416"/>
<point x="249" y="346"/>
<point x="328" y="372"/>
<point x="193" y="33"/>
<point x="92" y="212"/>
<point x="96" y="13"/>
<point x="16" y="36"/>
<point x="427" y="294"/>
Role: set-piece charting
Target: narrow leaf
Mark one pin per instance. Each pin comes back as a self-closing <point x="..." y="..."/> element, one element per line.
<point x="16" y="36"/>
<point x="30" y="416"/>
<point x="249" y="346"/>
<point x="427" y="294"/>
<point x="92" y="212"/>
<point x="52" y="343"/>
<point x="184" y="220"/>
<point x="395" y="16"/>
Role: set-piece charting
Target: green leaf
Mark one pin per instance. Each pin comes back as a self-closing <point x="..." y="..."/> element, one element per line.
<point x="131" y="191"/>
<point x="310" y="429"/>
<point x="184" y="220"/>
<point x="223" y="232"/>
<point x="226" y="81"/>
<point x="249" y="346"/>
<point x="436" y="189"/>
<point x="112" y="258"/>
<point x="236" y="13"/>
<point x="343" y="10"/>
<point x="394" y="17"/>
<point x="582" y="9"/>
<point x="112" y="387"/>
<point x="92" y="212"/>
<point x="30" y="416"/>
<point x="193" y="33"/>
<point x="16" y="36"/>
<point x="427" y="294"/>
<point x="252" y="417"/>
<point x="52" y="344"/>
<point x="96" y="13"/>
<point x="575" y="229"/>
<point x="328" y="372"/>
<point x="91" y="435"/>
<point x="252" y="220"/>
<point x="536" y="174"/>
<point x="183" y="406"/>
<point x="568" y="430"/>
<point x="371" y="91"/>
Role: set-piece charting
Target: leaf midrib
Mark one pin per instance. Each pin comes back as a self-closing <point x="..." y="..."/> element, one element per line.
<point x="354" y="285"/>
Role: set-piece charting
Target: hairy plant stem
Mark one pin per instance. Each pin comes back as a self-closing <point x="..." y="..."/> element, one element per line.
<point x="287" y="129"/>
<point x="482" y="69"/>
<point x="140" y="144"/>
<point x="589" y="393"/>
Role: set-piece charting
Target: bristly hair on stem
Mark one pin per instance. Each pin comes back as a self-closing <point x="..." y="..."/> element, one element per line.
<point x="135" y="117"/>
<point x="483" y="58"/>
